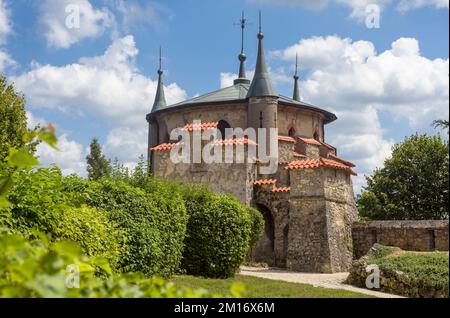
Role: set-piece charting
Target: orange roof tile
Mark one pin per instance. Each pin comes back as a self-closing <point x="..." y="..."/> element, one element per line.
<point x="281" y="189"/>
<point x="201" y="127"/>
<point x="345" y="162"/>
<point x="265" y="182"/>
<point x="330" y="147"/>
<point x="235" y="141"/>
<point x="310" y="141"/>
<point x="164" y="147"/>
<point x="286" y="138"/>
<point x="298" y="155"/>
<point x="317" y="163"/>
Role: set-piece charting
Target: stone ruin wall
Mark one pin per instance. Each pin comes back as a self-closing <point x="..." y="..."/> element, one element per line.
<point x="422" y="236"/>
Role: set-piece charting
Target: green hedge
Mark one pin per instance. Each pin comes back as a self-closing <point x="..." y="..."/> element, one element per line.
<point x="156" y="225"/>
<point x="94" y="232"/>
<point x="218" y="236"/>
<point x="257" y="225"/>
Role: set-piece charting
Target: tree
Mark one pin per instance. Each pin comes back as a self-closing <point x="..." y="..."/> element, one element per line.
<point x="140" y="174"/>
<point x="441" y="123"/>
<point x="13" y="118"/>
<point x="97" y="165"/>
<point x="412" y="185"/>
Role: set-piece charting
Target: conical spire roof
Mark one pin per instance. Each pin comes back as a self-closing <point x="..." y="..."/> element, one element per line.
<point x="160" y="98"/>
<point x="261" y="85"/>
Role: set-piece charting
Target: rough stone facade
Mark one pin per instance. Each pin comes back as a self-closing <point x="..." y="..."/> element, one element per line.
<point x="308" y="212"/>
<point x="408" y="235"/>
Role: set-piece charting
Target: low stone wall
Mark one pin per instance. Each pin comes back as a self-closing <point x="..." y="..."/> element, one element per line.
<point x="408" y="235"/>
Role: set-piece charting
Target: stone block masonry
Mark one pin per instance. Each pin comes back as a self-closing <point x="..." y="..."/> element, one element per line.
<point x="421" y="236"/>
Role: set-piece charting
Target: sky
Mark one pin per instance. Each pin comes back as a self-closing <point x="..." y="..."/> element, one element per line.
<point x="89" y="67"/>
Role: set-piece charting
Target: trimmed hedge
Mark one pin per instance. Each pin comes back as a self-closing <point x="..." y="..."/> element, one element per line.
<point x="257" y="225"/>
<point x="94" y="232"/>
<point x="218" y="236"/>
<point x="156" y="224"/>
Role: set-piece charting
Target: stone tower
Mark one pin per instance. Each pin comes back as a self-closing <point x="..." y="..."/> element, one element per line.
<point x="262" y="98"/>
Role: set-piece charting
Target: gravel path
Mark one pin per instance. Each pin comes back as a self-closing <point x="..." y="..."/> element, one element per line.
<point x="335" y="281"/>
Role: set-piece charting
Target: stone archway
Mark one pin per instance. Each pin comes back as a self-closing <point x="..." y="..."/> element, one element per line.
<point x="264" y="251"/>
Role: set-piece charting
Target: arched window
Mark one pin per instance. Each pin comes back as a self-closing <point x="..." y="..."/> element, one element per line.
<point x="317" y="135"/>
<point x="291" y="132"/>
<point x="222" y="126"/>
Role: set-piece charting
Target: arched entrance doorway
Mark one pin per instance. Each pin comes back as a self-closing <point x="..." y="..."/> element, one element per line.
<point x="265" y="248"/>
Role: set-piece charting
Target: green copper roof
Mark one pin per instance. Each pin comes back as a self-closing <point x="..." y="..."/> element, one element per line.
<point x="160" y="98"/>
<point x="238" y="93"/>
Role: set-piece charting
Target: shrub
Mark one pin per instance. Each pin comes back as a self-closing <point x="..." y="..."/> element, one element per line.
<point x="37" y="201"/>
<point x="257" y="225"/>
<point x="37" y="269"/>
<point x="156" y="224"/>
<point x="94" y="232"/>
<point x="218" y="235"/>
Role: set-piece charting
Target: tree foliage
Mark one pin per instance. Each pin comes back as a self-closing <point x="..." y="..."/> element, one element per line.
<point x="97" y="164"/>
<point x="412" y="185"/>
<point x="13" y="118"/>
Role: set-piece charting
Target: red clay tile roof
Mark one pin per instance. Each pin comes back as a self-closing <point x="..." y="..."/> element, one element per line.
<point x="310" y="141"/>
<point x="201" y="127"/>
<point x="286" y="138"/>
<point x="330" y="147"/>
<point x="281" y="189"/>
<point x="317" y="163"/>
<point x="265" y="182"/>
<point x="164" y="147"/>
<point x="343" y="161"/>
<point x="298" y="155"/>
<point x="235" y="141"/>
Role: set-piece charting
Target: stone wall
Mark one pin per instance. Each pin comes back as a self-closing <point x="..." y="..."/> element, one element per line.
<point x="228" y="178"/>
<point x="322" y="210"/>
<point x="305" y="122"/>
<point x="407" y="235"/>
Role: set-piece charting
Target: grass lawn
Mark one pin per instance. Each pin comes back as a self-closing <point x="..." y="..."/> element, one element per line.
<point x="263" y="288"/>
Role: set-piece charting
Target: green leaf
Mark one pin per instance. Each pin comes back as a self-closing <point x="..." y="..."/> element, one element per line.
<point x="4" y="203"/>
<point x="49" y="138"/>
<point x="21" y="159"/>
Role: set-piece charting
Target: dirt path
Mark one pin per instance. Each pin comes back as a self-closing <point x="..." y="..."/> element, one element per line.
<point x="335" y="281"/>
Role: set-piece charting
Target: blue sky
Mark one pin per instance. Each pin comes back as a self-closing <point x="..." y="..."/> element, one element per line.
<point x="99" y="79"/>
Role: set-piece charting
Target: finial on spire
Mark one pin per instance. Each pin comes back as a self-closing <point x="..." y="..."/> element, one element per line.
<point x="242" y="57"/>
<point x="160" y="98"/>
<point x="296" y="95"/>
<point x="260" y="22"/>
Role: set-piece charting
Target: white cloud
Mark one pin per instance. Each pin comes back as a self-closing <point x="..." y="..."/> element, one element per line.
<point x="126" y="143"/>
<point x="134" y="14"/>
<point x="109" y="86"/>
<point x="407" y="5"/>
<point x="70" y="158"/>
<point x="359" y="7"/>
<point x="5" y="22"/>
<point x="6" y="61"/>
<point x="353" y="80"/>
<point x="54" y="15"/>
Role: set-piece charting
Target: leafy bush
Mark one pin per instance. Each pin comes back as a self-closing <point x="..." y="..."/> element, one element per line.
<point x="38" y="269"/>
<point x="218" y="235"/>
<point x="94" y="232"/>
<point x="257" y="225"/>
<point x="156" y="224"/>
<point x="36" y="200"/>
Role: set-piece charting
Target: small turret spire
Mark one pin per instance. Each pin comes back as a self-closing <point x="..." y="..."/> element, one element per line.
<point x="296" y="78"/>
<point x="160" y="98"/>
<point x="261" y="84"/>
<point x="242" y="57"/>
